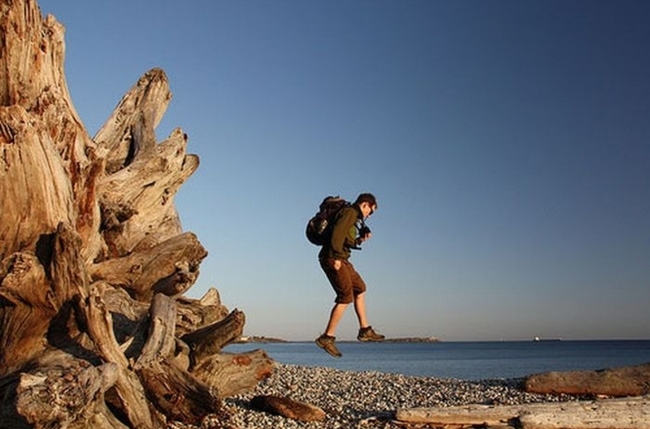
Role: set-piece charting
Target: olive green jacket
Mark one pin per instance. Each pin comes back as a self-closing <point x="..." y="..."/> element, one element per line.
<point x="343" y="235"/>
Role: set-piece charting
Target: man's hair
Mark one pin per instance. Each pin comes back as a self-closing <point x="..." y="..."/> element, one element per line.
<point x="366" y="198"/>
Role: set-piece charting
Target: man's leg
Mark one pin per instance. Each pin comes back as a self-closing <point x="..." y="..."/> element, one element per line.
<point x="342" y="284"/>
<point x="366" y="333"/>
<point x="327" y="340"/>
<point x="335" y="317"/>
<point x="360" y="309"/>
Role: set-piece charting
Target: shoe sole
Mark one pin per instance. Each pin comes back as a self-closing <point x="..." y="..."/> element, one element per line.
<point x="370" y="340"/>
<point x="327" y="351"/>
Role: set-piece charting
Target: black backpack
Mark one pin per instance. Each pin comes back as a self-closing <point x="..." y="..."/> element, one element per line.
<point x="320" y="225"/>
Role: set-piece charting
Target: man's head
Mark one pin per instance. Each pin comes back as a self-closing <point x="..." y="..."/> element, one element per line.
<point x="367" y="203"/>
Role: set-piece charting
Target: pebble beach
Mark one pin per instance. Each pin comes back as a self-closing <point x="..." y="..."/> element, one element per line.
<point x="368" y="399"/>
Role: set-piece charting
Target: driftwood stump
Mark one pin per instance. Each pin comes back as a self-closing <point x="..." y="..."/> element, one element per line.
<point x="94" y="328"/>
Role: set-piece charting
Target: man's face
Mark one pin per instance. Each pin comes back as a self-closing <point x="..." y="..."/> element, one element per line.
<point x="367" y="209"/>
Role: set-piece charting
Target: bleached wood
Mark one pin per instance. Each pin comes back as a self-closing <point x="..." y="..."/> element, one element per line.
<point x="466" y="415"/>
<point x="178" y="394"/>
<point x="170" y="267"/>
<point x="160" y="344"/>
<point x="633" y="380"/>
<point x="93" y="259"/>
<point x="32" y="78"/>
<point x="46" y="399"/>
<point x="195" y="314"/>
<point x="34" y="187"/>
<point x="136" y="195"/>
<point x="209" y="340"/>
<point x="619" y="413"/>
<point x="234" y="373"/>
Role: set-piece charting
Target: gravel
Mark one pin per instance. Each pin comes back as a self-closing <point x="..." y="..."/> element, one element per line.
<point x="366" y="400"/>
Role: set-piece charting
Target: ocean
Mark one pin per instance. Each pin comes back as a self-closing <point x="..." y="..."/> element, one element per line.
<point x="462" y="360"/>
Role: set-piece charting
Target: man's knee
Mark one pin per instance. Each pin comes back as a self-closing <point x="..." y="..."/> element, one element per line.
<point x="345" y="299"/>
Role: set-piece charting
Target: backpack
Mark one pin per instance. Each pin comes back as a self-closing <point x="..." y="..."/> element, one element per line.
<point x="320" y="225"/>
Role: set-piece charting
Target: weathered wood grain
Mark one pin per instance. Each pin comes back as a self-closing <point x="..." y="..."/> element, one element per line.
<point x="94" y="328"/>
<point x="619" y="413"/>
<point x="618" y="382"/>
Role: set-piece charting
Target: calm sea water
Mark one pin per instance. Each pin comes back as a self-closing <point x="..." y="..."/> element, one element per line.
<point x="462" y="360"/>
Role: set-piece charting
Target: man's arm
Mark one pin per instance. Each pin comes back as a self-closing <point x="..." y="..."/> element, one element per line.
<point x="340" y="232"/>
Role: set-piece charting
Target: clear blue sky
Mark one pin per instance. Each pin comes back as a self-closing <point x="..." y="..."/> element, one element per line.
<point x="508" y="144"/>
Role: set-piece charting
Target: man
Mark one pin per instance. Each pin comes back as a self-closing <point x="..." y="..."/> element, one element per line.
<point x="347" y="283"/>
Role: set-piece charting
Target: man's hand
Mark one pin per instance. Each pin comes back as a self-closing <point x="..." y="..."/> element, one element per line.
<point x="364" y="238"/>
<point x="337" y="264"/>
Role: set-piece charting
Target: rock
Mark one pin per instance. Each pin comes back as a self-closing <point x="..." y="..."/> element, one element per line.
<point x="289" y="408"/>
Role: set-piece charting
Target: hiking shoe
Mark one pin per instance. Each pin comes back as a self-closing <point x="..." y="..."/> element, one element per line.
<point x="326" y="343"/>
<point x="368" y="334"/>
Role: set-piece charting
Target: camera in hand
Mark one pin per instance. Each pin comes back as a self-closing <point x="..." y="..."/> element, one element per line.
<point x="364" y="231"/>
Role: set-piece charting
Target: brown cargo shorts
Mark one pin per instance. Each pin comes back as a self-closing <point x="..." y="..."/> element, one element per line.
<point x="347" y="283"/>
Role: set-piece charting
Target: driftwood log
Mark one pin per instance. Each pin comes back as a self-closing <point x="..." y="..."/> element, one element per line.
<point x="619" y="413"/>
<point x="289" y="408"/>
<point x="617" y="382"/>
<point x="94" y="328"/>
<point x="630" y="408"/>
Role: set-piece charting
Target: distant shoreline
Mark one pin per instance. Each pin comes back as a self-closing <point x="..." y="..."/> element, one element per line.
<point x="413" y="340"/>
<point x="266" y="340"/>
<point x="256" y="339"/>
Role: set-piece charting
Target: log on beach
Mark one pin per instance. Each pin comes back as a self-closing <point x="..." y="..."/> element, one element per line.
<point x="619" y="413"/>
<point x="287" y="407"/>
<point x="617" y="382"/>
<point x="629" y="408"/>
<point x="374" y="400"/>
